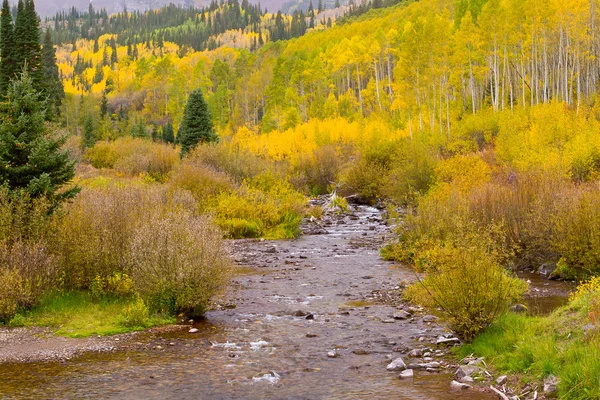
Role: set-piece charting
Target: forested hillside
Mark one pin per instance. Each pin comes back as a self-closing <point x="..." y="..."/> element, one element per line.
<point x="475" y="123"/>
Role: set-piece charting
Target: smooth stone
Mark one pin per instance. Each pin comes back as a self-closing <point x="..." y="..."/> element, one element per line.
<point x="501" y="380"/>
<point x="406" y="374"/>
<point x="454" y="385"/>
<point x="193" y="330"/>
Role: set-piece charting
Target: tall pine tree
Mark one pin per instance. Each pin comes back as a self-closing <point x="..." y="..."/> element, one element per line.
<point x="53" y="87"/>
<point x="196" y="126"/>
<point x="31" y="158"/>
<point x="8" y="67"/>
<point x="28" y="50"/>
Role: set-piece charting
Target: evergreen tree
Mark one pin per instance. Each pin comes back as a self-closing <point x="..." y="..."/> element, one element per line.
<point x="8" y="67"/>
<point x="31" y="159"/>
<point x="139" y="128"/>
<point x="27" y="42"/>
<point x="89" y="131"/>
<point x="53" y="89"/>
<point x="168" y="134"/>
<point x="196" y="126"/>
<point x="103" y="105"/>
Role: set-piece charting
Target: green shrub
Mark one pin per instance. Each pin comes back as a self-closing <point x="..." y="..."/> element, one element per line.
<point x="466" y="281"/>
<point x="135" y="315"/>
<point x="265" y="203"/>
<point x="178" y="260"/>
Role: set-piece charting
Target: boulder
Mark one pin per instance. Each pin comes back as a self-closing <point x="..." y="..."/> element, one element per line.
<point x="430" y="318"/>
<point x="467" y="370"/>
<point x="396" y="365"/>
<point x="415" y="353"/>
<point x="501" y="380"/>
<point x="444" y="340"/>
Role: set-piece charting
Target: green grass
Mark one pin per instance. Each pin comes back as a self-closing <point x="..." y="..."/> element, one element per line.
<point x="535" y="347"/>
<point x="78" y="314"/>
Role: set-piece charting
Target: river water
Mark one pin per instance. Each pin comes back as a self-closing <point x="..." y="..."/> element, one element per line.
<point x="298" y="300"/>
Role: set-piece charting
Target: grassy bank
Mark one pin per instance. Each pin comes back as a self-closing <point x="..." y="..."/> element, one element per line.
<point x="80" y="314"/>
<point x="565" y="344"/>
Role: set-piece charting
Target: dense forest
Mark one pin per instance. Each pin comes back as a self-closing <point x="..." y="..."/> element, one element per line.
<point x="475" y="123"/>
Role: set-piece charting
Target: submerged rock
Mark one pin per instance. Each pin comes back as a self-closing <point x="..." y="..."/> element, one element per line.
<point x="406" y="374"/>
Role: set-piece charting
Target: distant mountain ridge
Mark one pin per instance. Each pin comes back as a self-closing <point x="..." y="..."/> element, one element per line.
<point x="50" y="7"/>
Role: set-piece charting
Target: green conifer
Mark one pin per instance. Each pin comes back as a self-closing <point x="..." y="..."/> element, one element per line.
<point x="196" y="126"/>
<point x="7" y="47"/>
<point x="31" y="158"/>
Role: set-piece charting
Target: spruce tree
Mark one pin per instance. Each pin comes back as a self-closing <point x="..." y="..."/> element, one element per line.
<point x="53" y="89"/>
<point x="31" y="159"/>
<point x="196" y="126"/>
<point x="103" y="105"/>
<point x="7" y="47"/>
<point x="89" y="131"/>
<point x="168" y="134"/>
<point x="28" y="50"/>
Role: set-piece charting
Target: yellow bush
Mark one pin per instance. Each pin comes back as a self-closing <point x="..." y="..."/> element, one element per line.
<point x="467" y="283"/>
<point x="134" y="156"/>
<point x="178" y="262"/>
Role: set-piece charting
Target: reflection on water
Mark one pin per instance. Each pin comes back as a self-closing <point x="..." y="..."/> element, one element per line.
<point x="545" y="295"/>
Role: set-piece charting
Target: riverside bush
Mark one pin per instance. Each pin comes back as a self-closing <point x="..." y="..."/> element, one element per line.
<point x="178" y="262"/>
<point x="92" y="238"/>
<point x="26" y="272"/>
<point x="467" y="282"/>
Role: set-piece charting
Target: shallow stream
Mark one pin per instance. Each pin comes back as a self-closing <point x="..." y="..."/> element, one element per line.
<point x="298" y="301"/>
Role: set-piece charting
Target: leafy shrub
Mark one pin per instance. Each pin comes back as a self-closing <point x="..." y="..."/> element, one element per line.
<point x="264" y="206"/>
<point x="237" y="163"/>
<point x="92" y="238"/>
<point x="467" y="282"/>
<point x="135" y="315"/>
<point x="178" y="260"/>
<point x="203" y="182"/>
<point x="134" y="156"/>
<point x="317" y="172"/>
<point x="27" y="271"/>
<point x="576" y="233"/>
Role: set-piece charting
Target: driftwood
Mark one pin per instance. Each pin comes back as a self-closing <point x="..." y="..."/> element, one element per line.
<point x="499" y="393"/>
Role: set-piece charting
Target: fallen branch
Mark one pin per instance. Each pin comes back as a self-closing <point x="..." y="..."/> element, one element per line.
<point x="499" y="393"/>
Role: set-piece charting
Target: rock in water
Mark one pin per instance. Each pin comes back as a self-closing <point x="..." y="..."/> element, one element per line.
<point x="519" y="308"/>
<point x="430" y="318"/>
<point x="193" y="330"/>
<point x="401" y="315"/>
<point x="396" y="365"/>
<point x="454" y="385"/>
<point x="406" y="374"/>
